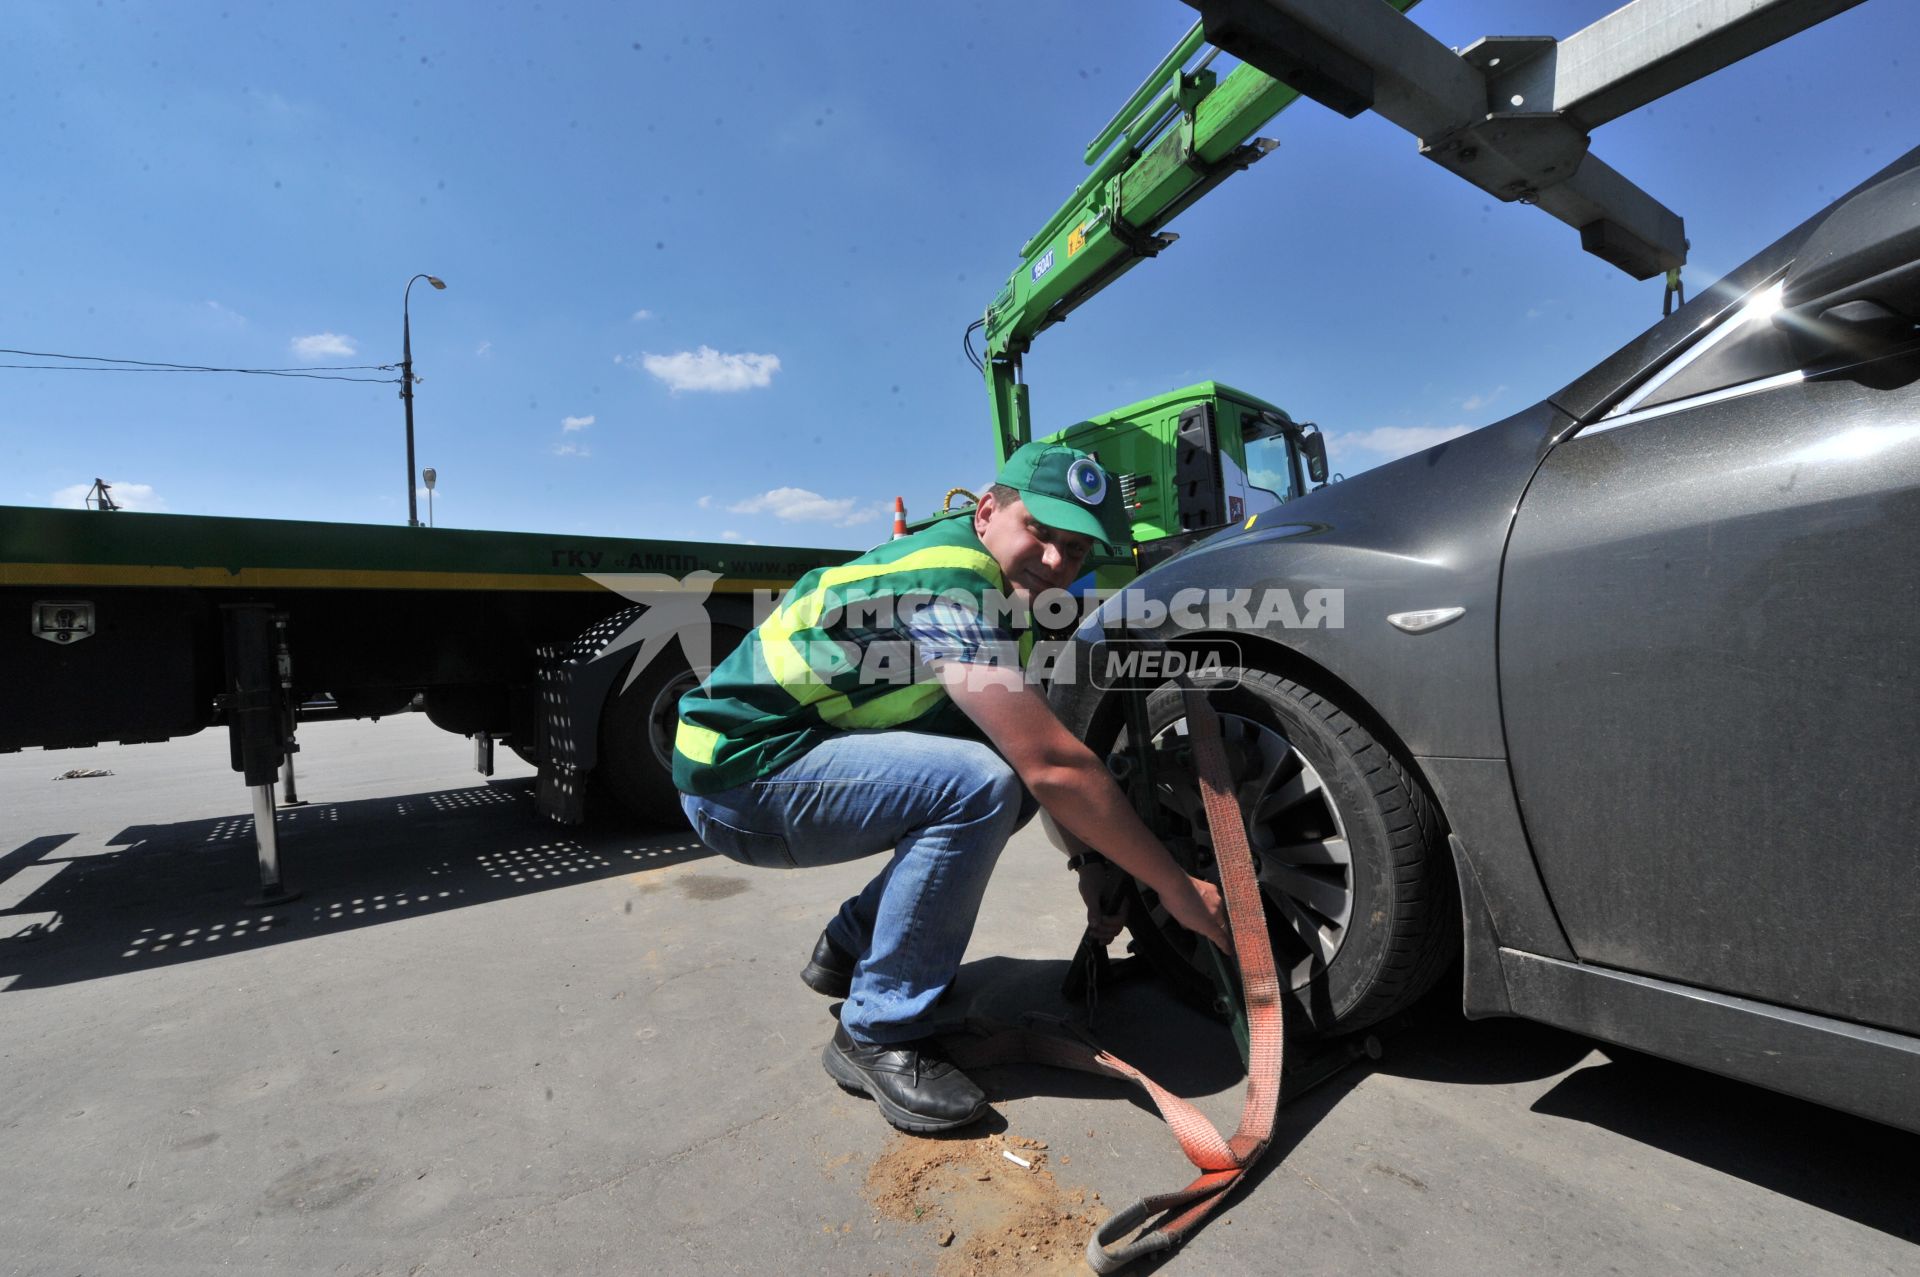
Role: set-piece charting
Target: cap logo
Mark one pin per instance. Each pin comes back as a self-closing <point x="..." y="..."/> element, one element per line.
<point x="1087" y="481"/>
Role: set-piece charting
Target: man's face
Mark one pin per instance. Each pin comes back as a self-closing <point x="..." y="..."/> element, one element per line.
<point x="1033" y="556"/>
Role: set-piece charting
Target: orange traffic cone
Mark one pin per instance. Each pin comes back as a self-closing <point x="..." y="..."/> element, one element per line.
<point x="899" y="518"/>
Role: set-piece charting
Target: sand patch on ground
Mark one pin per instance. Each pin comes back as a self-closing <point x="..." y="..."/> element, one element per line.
<point x="985" y="1216"/>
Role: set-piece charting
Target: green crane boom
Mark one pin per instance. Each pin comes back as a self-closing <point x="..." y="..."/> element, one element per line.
<point x="1181" y="134"/>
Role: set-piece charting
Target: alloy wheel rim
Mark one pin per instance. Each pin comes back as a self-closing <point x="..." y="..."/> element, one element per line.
<point x="1298" y="836"/>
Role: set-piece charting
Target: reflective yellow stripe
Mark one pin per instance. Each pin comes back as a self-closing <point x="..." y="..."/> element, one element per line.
<point x="790" y="667"/>
<point x="899" y="706"/>
<point x="696" y="743"/>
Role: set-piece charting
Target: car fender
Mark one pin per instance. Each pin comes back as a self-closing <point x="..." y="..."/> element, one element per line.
<point x="1425" y="532"/>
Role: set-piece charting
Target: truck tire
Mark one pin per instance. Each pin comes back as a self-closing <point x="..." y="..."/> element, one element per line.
<point x="637" y="727"/>
<point x="1353" y="866"/>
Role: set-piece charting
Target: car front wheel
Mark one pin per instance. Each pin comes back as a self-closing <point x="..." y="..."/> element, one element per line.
<point x="1353" y="869"/>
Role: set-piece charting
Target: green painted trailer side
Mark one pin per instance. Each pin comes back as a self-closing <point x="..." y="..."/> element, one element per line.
<point x="505" y="635"/>
<point x="51" y="547"/>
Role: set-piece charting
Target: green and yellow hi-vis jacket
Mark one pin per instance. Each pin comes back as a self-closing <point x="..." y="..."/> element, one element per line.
<point x="808" y="671"/>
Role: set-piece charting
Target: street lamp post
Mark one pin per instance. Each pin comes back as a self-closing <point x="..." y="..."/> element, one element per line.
<point x="406" y="391"/>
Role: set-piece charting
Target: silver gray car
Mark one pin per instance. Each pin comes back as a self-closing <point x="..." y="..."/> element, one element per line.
<point x="1620" y="707"/>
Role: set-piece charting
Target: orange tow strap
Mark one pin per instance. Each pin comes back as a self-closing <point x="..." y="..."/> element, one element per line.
<point x="1167" y="1219"/>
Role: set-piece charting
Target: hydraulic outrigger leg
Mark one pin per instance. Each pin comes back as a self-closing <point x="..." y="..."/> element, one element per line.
<point x="257" y="726"/>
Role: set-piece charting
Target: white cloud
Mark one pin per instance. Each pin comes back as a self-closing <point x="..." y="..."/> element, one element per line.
<point x="642" y="313"/>
<point x="707" y="369"/>
<point x="705" y="503"/>
<point x="128" y="496"/>
<point x="273" y="104"/>
<point x="571" y="450"/>
<point x="735" y="537"/>
<point x="323" y="346"/>
<point x="1389" y="442"/>
<point x="225" y="314"/>
<point x="484" y="349"/>
<point x="570" y="424"/>
<point x="1474" y="403"/>
<point x="800" y="505"/>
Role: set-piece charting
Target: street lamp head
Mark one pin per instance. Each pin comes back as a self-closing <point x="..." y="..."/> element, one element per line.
<point x="436" y="282"/>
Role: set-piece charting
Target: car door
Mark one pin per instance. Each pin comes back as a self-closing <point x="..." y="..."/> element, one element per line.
<point x="1708" y="659"/>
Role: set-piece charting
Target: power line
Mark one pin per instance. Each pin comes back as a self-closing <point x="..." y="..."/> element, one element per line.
<point x="256" y="372"/>
<point x="320" y="372"/>
<point x="149" y="363"/>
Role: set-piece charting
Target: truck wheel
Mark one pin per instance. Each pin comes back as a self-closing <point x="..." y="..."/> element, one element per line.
<point x="636" y="741"/>
<point x="1353" y="868"/>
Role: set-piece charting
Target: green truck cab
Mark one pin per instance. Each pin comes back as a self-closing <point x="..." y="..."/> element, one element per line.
<point x="1194" y="460"/>
<point x="1190" y="462"/>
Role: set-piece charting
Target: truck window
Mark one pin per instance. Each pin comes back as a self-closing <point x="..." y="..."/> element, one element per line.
<point x="1269" y="460"/>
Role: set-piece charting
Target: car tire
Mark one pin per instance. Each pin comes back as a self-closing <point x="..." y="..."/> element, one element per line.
<point x="1354" y="872"/>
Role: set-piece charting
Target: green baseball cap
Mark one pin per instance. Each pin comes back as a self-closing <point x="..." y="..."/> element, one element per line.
<point x="1066" y="488"/>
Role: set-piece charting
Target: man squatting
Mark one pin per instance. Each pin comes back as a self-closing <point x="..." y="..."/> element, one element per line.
<point x="782" y="765"/>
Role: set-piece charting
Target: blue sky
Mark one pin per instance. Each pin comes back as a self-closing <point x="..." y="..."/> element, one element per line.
<point x="708" y="266"/>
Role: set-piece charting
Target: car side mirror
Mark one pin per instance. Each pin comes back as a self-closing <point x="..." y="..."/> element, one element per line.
<point x="1854" y="287"/>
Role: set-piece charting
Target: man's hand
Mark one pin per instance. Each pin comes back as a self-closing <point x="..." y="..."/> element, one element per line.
<point x="1201" y="910"/>
<point x="1096" y="878"/>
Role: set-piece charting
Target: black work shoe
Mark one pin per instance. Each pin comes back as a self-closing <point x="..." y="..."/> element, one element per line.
<point x="830" y="969"/>
<point x="917" y="1088"/>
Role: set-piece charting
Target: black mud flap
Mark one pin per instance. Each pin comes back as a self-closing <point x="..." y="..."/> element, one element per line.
<point x="562" y="793"/>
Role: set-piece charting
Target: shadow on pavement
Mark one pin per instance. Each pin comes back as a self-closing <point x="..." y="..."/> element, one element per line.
<point x="165" y="894"/>
<point x="30" y="852"/>
<point x="1832" y="1161"/>
<point x="1141" y="1020"/>
<point x="1296" y="1120"/>
<point x="1835" y="1162"/>
<point x="1432" y="1041"/>
<point x="1137" y="1018"/>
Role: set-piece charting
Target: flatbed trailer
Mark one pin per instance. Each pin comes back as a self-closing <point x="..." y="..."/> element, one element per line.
<point x="126" y="627"/>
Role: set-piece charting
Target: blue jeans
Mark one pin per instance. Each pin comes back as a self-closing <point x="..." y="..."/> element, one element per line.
<point x="945" y="805"/>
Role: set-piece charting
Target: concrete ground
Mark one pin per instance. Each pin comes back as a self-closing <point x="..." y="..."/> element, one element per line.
<point x="479" y="1044"/>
